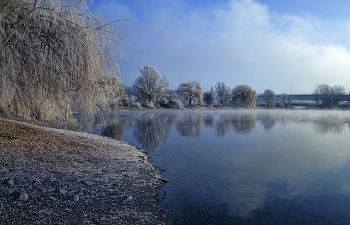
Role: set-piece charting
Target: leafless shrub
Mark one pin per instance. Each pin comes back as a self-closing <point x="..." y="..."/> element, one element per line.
<point x="56" y="57"/>
<point x="148" y="105"/>
<point x="130" y="101"/>
<point x="175" y="104"/>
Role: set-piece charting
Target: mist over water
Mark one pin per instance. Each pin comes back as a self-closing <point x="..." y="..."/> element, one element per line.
<point x="243" y="166"/>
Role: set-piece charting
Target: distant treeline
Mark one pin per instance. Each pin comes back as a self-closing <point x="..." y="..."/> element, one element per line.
<point x="151" y="90"/>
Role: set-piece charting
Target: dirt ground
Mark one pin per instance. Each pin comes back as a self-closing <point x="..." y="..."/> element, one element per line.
<point x="51" y="176"/>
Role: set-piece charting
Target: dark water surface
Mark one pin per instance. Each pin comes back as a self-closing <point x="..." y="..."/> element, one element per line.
<point x="243" y="166"/>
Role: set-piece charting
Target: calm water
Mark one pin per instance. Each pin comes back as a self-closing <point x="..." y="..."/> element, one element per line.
<point x="244" y="166"/>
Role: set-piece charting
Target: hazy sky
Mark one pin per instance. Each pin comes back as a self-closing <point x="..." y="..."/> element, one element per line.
<point x="263" y="43"/>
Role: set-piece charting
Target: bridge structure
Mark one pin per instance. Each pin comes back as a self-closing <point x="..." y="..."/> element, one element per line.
<point x="307" y="97"/>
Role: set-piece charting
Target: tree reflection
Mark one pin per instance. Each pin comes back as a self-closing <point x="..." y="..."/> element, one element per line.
<point x="243" y="124"/>
<point x="222" y="126"/>
<point x="268" y="121"/>
<point x="115" y="130"/>
<point x="324" y="126"/>
<point x="190" y="125"/>
<point x="240" y="123"/>
<point x="208" y="120"/>
<point x="151" y="129"/>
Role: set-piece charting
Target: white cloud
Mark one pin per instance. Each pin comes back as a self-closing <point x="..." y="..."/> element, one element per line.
<point x="242" y="43"/>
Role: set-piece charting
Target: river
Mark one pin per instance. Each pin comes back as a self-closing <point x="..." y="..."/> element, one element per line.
<point x="243" y="166"/>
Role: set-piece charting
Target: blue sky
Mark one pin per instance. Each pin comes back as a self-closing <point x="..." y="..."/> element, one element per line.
<point x="263" y="43"/>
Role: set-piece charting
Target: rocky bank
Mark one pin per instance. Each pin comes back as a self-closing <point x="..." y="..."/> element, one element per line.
<point x="52" y="176"/>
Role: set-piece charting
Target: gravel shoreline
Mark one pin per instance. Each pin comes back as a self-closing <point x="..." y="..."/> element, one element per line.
<point x="52" y="176"/>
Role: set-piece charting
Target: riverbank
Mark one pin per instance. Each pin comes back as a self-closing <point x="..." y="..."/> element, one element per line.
<point x="51" y="176"/>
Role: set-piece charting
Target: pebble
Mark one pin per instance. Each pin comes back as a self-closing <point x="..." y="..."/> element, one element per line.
<point x="62" y="191"/>
<point x="56" y="183"/>
<point x="52" y="178"/>
<point x="41" y="189"/>
<point x="87" y="182"/>
<point x="130" y="198"/>
<point x="53" y="198"/>
<point x="4" y="170"/>
<point x="74" y="198"/>
<point x="19" y="195"/>
<point x="79" y="193"/>
<point x="9" y="182"/>
<point x="23" y="196"/>
<point x="78" y="173"/>
<point x="163" y="179"/>
<point x="36" y="182"/>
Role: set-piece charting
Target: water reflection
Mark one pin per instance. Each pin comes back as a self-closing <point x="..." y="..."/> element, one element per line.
<point x="326" y="125"/>
<point x="266" y="163"/>
<point x="151" y="130"/>
<point x="221" y="126"/>
<point x="208" y="120"/>
<point x="190" y="125"/>
<point x="239" y="123"/>
<point x="268" y="121"/>
<point x="114" y="130"/>
<point x="243" y="124"/>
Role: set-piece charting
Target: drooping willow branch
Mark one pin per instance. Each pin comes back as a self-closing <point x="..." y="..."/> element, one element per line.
<point x="55" y="57"/>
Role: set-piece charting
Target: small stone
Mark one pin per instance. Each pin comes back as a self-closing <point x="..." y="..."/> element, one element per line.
<point x="79" y="193"/>
<point x="53" y="198"/>
<point x="41" y="189"/>
<point x="87" y="182"/>
<point x="56" y="183"/>
<point x="4" y="170"/>
<point x="9" y="182"/>
<point x="163" y="179"/>
<point x="19" y="195"/>
<point x="74" y="163"/>
<point x="118" y="185"/>
<point x="130" y="198"/>
<point x="21" y="179"/>
<point x="163" y="169"/>
<point x="23" y="196"/>
<point x="36" y="182"/>
<point x="62" y="191"/>
<point x="74" y="198"/>
<point x="52" y="178"/>
<point x="78" y="173"/>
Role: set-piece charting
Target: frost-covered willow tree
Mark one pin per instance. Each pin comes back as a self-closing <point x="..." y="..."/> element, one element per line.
<point x="150" y="86"/>
<point x="191" y="91"/>
<point x="56" y="57"/>
<point x="244" y="95"/>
